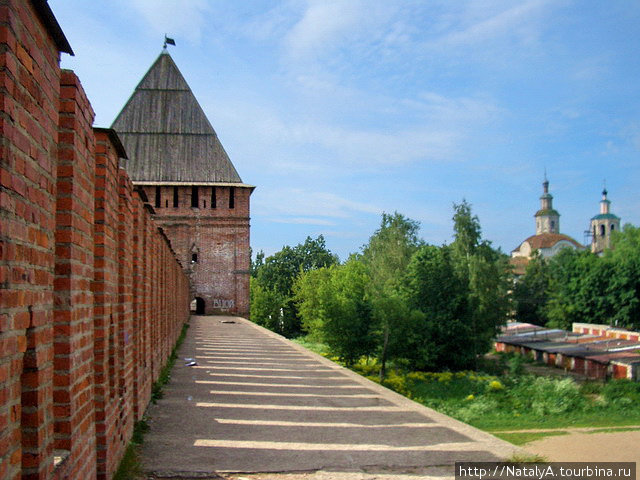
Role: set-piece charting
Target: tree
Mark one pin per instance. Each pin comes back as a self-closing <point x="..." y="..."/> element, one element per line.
<point x="624" y="286"/>
<point x="467" y="231"/>
<point x="257" y="263"/>
<point x="484" y="272"/>
<point x="530" y="293"/>
<point x="310" y="291"/>
<point x="433" y="287"/>
<point x="586" y="288"/>
<point x="386" y="257"/>
<point x="577" y="289"/>
<point x="266" y="306"/>
<point x="335" y="309"/>
<point x="277" y="275"/>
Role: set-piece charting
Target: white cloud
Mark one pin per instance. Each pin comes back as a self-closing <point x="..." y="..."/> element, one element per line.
<point x="302" y="221"/>
<point x="324" y="24"/>
<point x="300" y="203"/>
<point x="184" y="19"/>
<point x="431" y="127"/>
<point x="520" y="21"/>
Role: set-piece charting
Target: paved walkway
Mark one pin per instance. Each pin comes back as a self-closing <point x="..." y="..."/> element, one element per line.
<point x="257" y="403"/>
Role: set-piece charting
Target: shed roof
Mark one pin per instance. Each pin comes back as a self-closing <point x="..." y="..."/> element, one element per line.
<point x="166" y="133"/>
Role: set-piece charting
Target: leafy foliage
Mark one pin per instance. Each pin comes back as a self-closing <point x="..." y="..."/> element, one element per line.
<point x="334" y="307"/>
<point x="530" y="294"/>
<point x="581" y="287"/>
<point x="484" y="273"/>
<point x="272" y="283"/>
<point x="386" y="257"/>
<point x="433" y="288"/>
<point x="400" y="300"/>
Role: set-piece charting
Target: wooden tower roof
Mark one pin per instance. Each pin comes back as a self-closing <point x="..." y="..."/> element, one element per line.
<point x="167" y="135"/>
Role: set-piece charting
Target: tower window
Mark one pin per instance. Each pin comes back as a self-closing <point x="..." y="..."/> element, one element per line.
<point x="158" y="197"/>
<point x="232" y="197"/>
<point x="602" y="230"/>
<point x="613" y="227"/>
<point x="195" y="201"/>
<point x="194" y="258"/>
<point x="213" y="197"/>
<point x="175" y="197"/>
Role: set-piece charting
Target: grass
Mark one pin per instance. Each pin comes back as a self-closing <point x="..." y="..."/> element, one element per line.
<point x="522" y="458"/>
<point x="522" y="438"/>
<point x="614" y="430"/>
<point x="130" y="467"/>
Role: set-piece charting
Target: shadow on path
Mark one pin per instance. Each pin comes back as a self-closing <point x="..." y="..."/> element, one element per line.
<point x="256" y="402"/>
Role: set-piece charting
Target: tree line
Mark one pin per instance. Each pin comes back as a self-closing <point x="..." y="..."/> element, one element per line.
<point x="428" y="307"/>
<point x="398" y="299"/>
<point x="578" y="286"/>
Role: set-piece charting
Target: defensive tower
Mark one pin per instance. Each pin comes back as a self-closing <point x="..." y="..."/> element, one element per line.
<point x="196" y="194"/>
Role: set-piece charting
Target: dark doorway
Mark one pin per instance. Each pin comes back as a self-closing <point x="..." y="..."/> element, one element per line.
<point x="197" y="306"/>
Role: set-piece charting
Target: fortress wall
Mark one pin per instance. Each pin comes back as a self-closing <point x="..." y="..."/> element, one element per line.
<point x="92" y="298"/>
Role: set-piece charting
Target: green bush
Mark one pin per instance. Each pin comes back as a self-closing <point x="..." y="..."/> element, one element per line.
<point x="477" y="408"/>
<point x="545" y="396"/>
<point x="621" y="393"/>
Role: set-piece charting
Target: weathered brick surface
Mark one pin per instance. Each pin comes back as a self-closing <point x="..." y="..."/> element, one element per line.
<point x="74" y="269"/>
<point x="29" y="91"/>
<point x="210" y="240"/>
<point x="92" y="298"/>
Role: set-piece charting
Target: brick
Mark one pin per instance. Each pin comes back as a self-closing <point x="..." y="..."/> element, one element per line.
<point x="72" y="225"/>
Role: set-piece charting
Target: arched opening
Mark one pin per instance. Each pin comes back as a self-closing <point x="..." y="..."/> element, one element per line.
<point x="197" y="306"/>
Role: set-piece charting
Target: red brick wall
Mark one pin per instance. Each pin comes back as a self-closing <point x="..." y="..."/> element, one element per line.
<point x="83" y="269"/>
<point x="29" y="91"/>
<point x="105" y="291"/>
<point x="74" y="271"/>
<point x="220" y="236"/>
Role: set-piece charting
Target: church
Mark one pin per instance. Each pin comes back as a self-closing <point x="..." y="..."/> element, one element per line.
<point x="548" y="240"/>
<point x="197" y="197"/>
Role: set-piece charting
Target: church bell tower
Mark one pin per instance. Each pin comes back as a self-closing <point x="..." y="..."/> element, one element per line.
<point x="547" y="219"/>
<point x="603" y="225"/>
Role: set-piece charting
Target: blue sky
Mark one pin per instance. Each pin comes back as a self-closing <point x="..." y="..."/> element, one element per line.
<point x="339" y="110"/>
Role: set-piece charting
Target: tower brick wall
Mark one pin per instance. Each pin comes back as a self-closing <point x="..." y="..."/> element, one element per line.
<point x="210" y="240"/>
<point x="92" y="298"/>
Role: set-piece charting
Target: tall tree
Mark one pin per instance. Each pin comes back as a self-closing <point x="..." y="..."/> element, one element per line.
<point x="467" y="232"/>
<point x="335" y="308"/>
<point x="484" y="272"/>
<point x="530" y="293"/>
<point x="278" y="273"/>
<point x="577" y="289"/>
<point x="386" y="257"/>
<point x="624" y="286"/>
<point x="433" y="287"/>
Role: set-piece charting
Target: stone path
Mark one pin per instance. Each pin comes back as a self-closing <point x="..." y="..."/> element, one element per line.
<point x="257" y="403"/>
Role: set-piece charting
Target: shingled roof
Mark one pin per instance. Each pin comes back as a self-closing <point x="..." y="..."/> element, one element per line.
<point x="166" y="134"/>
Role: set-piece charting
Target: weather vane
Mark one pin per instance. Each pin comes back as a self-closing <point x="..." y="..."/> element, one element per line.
<point x="168" y="41"/>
